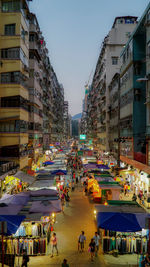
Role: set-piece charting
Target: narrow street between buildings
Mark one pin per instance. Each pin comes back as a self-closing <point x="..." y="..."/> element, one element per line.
<point x="77" y="217"/>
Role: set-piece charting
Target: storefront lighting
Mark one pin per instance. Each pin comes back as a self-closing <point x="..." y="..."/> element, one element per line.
<point x="53" y="214"/>
<point x="105" y="203"/>
<point x="94" y="212"/>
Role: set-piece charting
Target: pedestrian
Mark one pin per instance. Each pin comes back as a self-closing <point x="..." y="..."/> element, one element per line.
<point x="147" y="260"/>
<point x="134" y="197"/>
<point x="67" y="199"/>
<point x="92" y="249"/>
<point x="81" y="241"/>
<point x="142" y="261"/>
<point x="96" y="238"/>
<point x="62" y="201"/>
<point x="65" y="264"/>
<point x="25" y="258"/>
<point x="53" y="242"/>
<point x="73" y="186"/>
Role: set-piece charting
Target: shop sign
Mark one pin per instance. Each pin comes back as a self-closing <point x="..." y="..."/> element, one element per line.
<point x="4" y="227"/>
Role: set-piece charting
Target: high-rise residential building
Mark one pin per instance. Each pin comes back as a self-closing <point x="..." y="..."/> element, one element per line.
<point x="58" y="109"/>
<point x="66" y="121"/>
<point x="31" y="98"/>
<point x="134" y="98"/>
<point x="36" y="89"/>
<point x="107" y="65"/>
<point x="14" y="76"/>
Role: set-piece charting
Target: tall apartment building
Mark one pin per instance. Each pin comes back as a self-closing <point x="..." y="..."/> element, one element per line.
<point x="35" y="89"/>
<point x="58" y="109"/>
<point x="134" y="95"/>
<point x="108" y="64"/>
<point x="31" y="98"/>
<point x="66" y="121"/>
<point x="14" y="75"/>
<point x="83" y="123"/>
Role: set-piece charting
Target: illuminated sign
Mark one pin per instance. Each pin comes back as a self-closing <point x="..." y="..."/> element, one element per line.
<point x="82" y="136"/>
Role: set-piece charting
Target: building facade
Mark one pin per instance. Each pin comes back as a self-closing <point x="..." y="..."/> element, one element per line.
<point x="14" y="76"/>
<point x="31" y="98"/>
<point x="107" y="65"/>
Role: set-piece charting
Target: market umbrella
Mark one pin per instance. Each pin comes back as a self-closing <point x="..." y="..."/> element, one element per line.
<point x="13" y="222"/>
<point x="46" y="207"/>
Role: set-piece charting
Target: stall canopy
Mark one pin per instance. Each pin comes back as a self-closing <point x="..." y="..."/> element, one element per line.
<point x="59" y="172"/>
<point x="24" y="177"/>
<point x="46" y="207"/>
<point x="13" y="222"/>
<point x="19" y="199"/>
<point x="120" y="222"/>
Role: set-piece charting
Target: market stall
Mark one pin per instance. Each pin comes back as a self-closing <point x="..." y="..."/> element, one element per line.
<point x="121" y="230"/>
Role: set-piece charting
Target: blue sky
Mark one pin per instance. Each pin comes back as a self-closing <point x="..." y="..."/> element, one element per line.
<point x="74" y="30"/>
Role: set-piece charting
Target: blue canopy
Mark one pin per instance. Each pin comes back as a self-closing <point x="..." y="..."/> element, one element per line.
<point x="13" y="222"/>
<point x="120" y="222"/>
<point x="48" y="163"/>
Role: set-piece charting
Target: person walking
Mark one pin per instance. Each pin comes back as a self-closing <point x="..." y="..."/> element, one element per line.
<point x="65" y="264"/>
<point x="92" y="249"/>
<point x="81" y="241"/>
<point x="25" y="258"/>
<point x="96" y="238"/>
<point x="134" y="197"/>
<point x="53" y="242"/>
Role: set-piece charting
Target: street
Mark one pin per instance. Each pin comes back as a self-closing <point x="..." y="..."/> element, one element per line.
<point x="77" y="217"/>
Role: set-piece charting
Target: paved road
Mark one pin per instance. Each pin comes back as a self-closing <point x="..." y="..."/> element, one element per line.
<point x="77" y="217"/>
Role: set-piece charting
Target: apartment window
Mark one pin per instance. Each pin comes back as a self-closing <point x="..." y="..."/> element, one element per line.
<point x="148" y="16"/>
<point x="11" y="6"/>
<point x="114" y="60"/>
<point x="10" y="77"/>
<point x="10" y="53"/>
<point x="32" y="37"/>
<point x="10" y="29"/>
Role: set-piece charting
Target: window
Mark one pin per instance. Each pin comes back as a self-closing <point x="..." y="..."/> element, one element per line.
<point x="32" y="37"/>
<point x="10" y="53"/>
<point x="10" y="77"/>
<point x="10" y="29"/>
<point x="11" y="6"/>
<point x="114" y="60"/>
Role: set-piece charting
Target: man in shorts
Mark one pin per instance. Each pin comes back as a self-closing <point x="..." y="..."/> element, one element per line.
<point x="96" y="239"/>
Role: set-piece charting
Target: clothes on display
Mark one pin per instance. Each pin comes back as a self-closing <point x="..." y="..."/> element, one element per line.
<point x="33" y="246"/>
<point x="31" y="229"/>
<point x="126" y="243"/>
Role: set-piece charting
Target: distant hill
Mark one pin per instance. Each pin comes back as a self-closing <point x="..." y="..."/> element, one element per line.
<point x="77" y="116"/>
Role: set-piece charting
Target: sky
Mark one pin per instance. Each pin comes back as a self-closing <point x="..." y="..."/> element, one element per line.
<point x="74" y="31"/>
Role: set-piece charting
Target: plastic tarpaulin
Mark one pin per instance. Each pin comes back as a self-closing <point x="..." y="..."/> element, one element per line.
<point x="121" y="222"/>
<point x="13" y="222"/>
